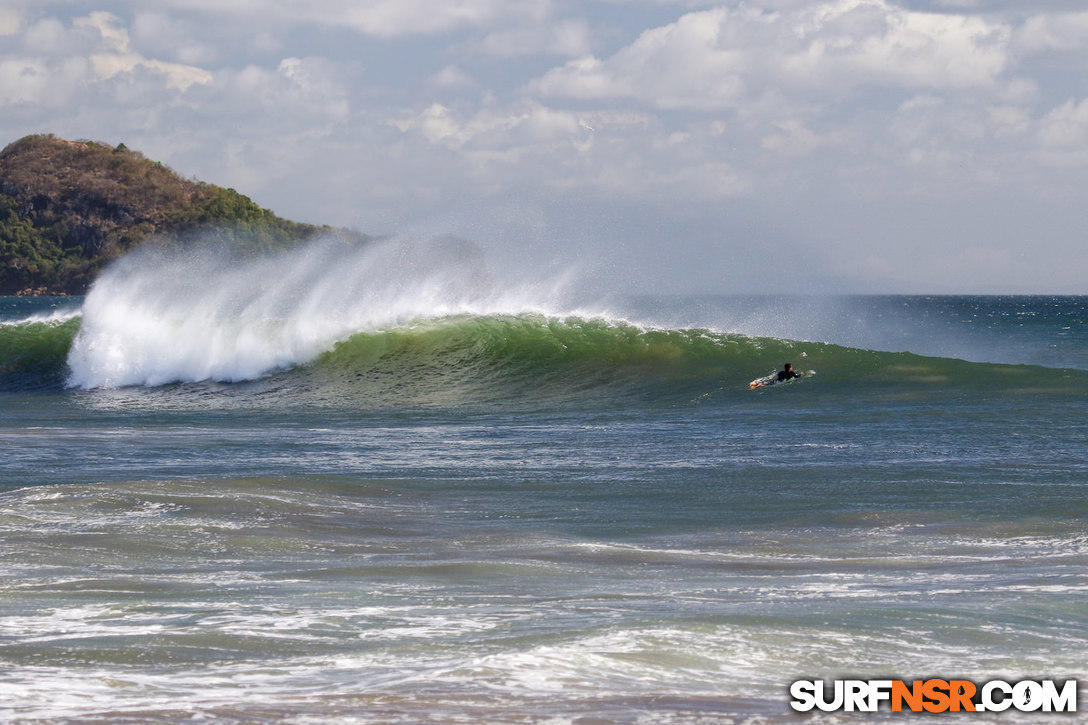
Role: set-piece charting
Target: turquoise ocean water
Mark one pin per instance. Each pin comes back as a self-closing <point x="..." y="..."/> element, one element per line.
<point x="388" y="491"/>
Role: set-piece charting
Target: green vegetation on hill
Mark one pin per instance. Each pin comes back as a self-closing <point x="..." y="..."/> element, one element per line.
<point x="68" y="208"/>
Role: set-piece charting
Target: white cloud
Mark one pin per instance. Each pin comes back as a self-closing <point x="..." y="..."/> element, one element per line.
<point x="491" y="128"/>
<point x="1063" y="135"/>
<point x="115" y="56"/>
<point x="400" y="17"/>
<point x="452" y="76"/>
<point x="679" y="65"/>
<point x="24" y="81"/>
<point x="870" y="41"/>
<point x="45" y="64"/>
<point x="316" y="82"/>
<point x="564" y="38"/>
<point x="619" y="154"/>
<point x="304" y="95"/>
<point x="178" y="76"/>
<point x="794" y="138"/>
<point x="1009" y="120"/>
<point x="723" y="58"/>
<point x="114" y="37"/>
<point x="1062" y="32"/>
<point x="386" y="18"/>
<point x="179" y="38"/>
<point x="49" y="37"/>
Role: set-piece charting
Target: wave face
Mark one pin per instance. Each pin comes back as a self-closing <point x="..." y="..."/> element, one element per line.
<point x="33" y="350"/>
<point x="532" y="361"/>
<point x="526" y="360"/>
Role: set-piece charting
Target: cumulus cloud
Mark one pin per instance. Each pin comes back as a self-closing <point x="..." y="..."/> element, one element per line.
<point x="116" y="55"/>
<point x="683" y="64"/>
<point x="52" y="59"/>
<point x="723" y="57"/>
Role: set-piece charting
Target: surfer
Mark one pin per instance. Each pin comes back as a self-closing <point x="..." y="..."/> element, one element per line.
<point x="787" y="373"/>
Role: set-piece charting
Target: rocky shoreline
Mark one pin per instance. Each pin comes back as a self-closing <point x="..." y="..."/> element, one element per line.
<point x="40" y="292"/>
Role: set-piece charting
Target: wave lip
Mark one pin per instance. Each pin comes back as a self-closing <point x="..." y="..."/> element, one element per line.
<point x="54" y="317"/>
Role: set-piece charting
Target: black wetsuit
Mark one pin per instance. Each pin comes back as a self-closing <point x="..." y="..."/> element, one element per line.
<point x="787" y="375"/>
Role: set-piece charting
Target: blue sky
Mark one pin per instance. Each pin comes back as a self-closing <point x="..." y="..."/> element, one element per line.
<point x="933" y="146"/>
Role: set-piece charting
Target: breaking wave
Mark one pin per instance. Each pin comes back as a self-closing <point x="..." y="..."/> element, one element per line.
<point x="412" y="324"/>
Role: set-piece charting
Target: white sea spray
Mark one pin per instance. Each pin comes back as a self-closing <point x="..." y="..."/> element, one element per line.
<point x="170" y="315"/>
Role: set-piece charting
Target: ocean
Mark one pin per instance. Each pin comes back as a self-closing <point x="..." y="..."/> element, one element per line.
<point x="386" y="485"/>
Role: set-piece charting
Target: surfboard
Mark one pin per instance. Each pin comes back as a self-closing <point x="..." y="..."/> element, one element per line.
<point x="772" y="379"/>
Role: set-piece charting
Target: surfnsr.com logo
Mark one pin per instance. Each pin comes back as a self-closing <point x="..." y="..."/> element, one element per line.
<point x="934" y="695"/>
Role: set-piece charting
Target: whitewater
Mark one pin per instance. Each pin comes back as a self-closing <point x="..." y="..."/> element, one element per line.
<point x="388" y="484"/>
<point x="193" y="314"/>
